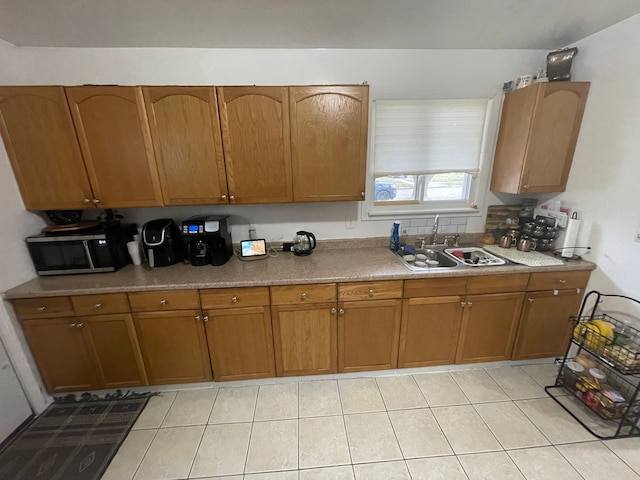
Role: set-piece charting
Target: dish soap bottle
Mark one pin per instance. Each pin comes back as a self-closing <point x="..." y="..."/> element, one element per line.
<point x="395" y="237"/>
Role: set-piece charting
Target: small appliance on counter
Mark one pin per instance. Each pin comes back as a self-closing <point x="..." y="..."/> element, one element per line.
<point x="162" y="242"/>
<point x="207" y="239"/>
<point x="89" y="247"/>
<point x="303" y="243"/>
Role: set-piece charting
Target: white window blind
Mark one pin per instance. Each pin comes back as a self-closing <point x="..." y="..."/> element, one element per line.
<point x="428" y="136"/>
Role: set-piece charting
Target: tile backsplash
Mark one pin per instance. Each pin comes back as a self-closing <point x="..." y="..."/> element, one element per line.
<point x="424" y="226"/>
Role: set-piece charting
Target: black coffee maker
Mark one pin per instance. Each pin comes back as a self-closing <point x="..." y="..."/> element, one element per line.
<point x="207" y="239"/>
<point x="162" y="242"/>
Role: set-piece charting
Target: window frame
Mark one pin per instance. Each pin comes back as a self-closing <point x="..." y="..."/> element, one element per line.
<point x="372" y="210"/>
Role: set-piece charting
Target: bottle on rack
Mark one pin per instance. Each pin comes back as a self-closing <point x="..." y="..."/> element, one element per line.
<point x="395" y="237"/>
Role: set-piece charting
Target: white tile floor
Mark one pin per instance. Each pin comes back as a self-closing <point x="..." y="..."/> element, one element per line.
<point x="494" y="423"/>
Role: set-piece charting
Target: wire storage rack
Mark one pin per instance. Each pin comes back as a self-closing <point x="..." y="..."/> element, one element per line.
<point x="599" y="378"/>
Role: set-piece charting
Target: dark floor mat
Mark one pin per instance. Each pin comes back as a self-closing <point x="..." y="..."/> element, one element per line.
<point x="71" y="440"/>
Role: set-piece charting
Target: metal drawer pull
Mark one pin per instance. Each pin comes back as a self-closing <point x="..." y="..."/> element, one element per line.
<point x="72" y="325"/>
<point x="562" y="281"/>
<point x="234" y="299"/>
<point x="197" y="318"/>
<point x="469" y="304"/>
<point x="79" y="325"/>
<point x="41" y="309"/>
<point x="463" y="304"/>
<point x="303" y="296"/>
<point x="530" y="300"/>
<point x="86" y="200"/>
<point x="333" y="311"/>
<point x="98" y="305"/>
<point x="205" y="318"/>
<point x="371" y="293"/>
<point x="341" y="311"/>
<point x="163" y="302"/>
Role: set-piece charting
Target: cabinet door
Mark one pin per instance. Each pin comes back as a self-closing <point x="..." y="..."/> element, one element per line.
<point x="488" y="330"/>
<point x="115" y="345"/>
<point x="256" y="139"/>
<point x="544" y="326"/>
<point x="186" y="137"/>
<point x="174" y="346"/>
<point x="61" y="352"/>
<point x="305" y="338"/>
<point x="554" y="133"/>
<point x="329" y="142"/>
<point x="113" y="132"/>
<point x="241" y="343"/>
<point x="429" y="331"/>
<point x="368" y="334"/>
<point x="41" y="143"/>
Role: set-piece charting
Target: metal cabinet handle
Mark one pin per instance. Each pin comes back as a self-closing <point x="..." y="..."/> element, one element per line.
<point x="163" y="302"/>
<point x="333" y="311"/>
<point x="205" y="319"/>
<point x="562" y="281"/>
<point x="79" y="325"/>
<point x="463" y="304"/>
<point x="72" y="325"/>
<point x="86" y="200"/>
<point x="234" y="299"/>
<point x="232" y="198"/>
<point x="303" y="296"/>
<point x="341" y="311"/>
<point x="371" y="293"/>
<point x="96" y="201"/>
<point x="530" y="300"/>
<point x="526" y="187"/>
<point x="97" y="306"/>
<point x="41" y="309"/>
<point x="197" y="318"/>
<point x="362" y="194"/>
<point x="469" y="304"/>
<point x="223" y="197"/>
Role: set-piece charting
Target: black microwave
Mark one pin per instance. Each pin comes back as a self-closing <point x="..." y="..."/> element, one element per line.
<point x="102" y="249"/>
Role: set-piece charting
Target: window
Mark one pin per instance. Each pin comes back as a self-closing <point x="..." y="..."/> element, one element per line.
<point x="427" y="156"/>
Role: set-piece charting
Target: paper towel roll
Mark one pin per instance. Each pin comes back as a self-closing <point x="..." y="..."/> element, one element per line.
<point x="570" y="238"/>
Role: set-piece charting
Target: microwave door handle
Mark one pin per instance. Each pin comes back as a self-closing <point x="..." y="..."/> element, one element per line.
<point x="85" y="244"/>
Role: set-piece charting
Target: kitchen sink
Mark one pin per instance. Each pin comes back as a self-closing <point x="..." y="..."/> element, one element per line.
<point x="442" y="258"/>
<point x="428" y="259"/>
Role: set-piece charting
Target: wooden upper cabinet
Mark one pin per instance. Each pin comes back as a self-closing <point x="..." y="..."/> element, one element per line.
<point x="538" y="134"/>
<point x="329" y="142"/>
<point x="113" y="132"/>
<point x="41" y="143"/>
<point x="186" y="138"/>
<point x="256" y="139"/>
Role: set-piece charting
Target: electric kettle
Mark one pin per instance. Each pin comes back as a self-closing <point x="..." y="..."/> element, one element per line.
<point x="304" y="243"/>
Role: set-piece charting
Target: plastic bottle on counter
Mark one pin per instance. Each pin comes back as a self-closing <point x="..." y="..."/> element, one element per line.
<point x="395" y="237"/>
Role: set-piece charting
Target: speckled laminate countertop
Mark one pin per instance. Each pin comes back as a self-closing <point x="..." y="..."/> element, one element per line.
<point x="324" y="265"/>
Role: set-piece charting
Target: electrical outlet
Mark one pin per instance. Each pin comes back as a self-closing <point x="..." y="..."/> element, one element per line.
<point x="349" y="222"/>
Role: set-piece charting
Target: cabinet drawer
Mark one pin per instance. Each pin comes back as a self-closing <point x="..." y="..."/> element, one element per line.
<point x="235" y="297"/>
<point x="370" y="290"/>
<point x="498" y="283"/>
<point x="558" y="280"/>
<point x="100" y="304"/>
<point x="435" y="287"/>
<point x="46" y="307"/>
<point x="164" y="300"/>
<point x="299" y="294"/>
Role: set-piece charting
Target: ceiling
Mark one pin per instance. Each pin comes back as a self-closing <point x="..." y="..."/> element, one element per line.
<point x="389" y="24"/>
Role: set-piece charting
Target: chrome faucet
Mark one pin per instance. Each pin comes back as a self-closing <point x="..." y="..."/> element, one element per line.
<point x="434" y="232"/>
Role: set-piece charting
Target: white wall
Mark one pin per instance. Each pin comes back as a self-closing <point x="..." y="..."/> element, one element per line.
<point x="604" y="181"/>
<point x="15" y="264"/>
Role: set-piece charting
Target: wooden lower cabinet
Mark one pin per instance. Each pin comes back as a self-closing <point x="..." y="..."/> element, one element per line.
<point x="544" y="326"/>
<point x="240" y="343"/>
<point x="305" y="338"/>
<point x="429" y="331"/>
<point x="368" y="333"/>
<point x="174" y="346"/>
<point x="62" y="354"/>
<point x="489" y="324"/>
<point x="86" y="353"/>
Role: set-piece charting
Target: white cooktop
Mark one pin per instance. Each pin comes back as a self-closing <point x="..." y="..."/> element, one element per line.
<point x="532" y="259"/>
